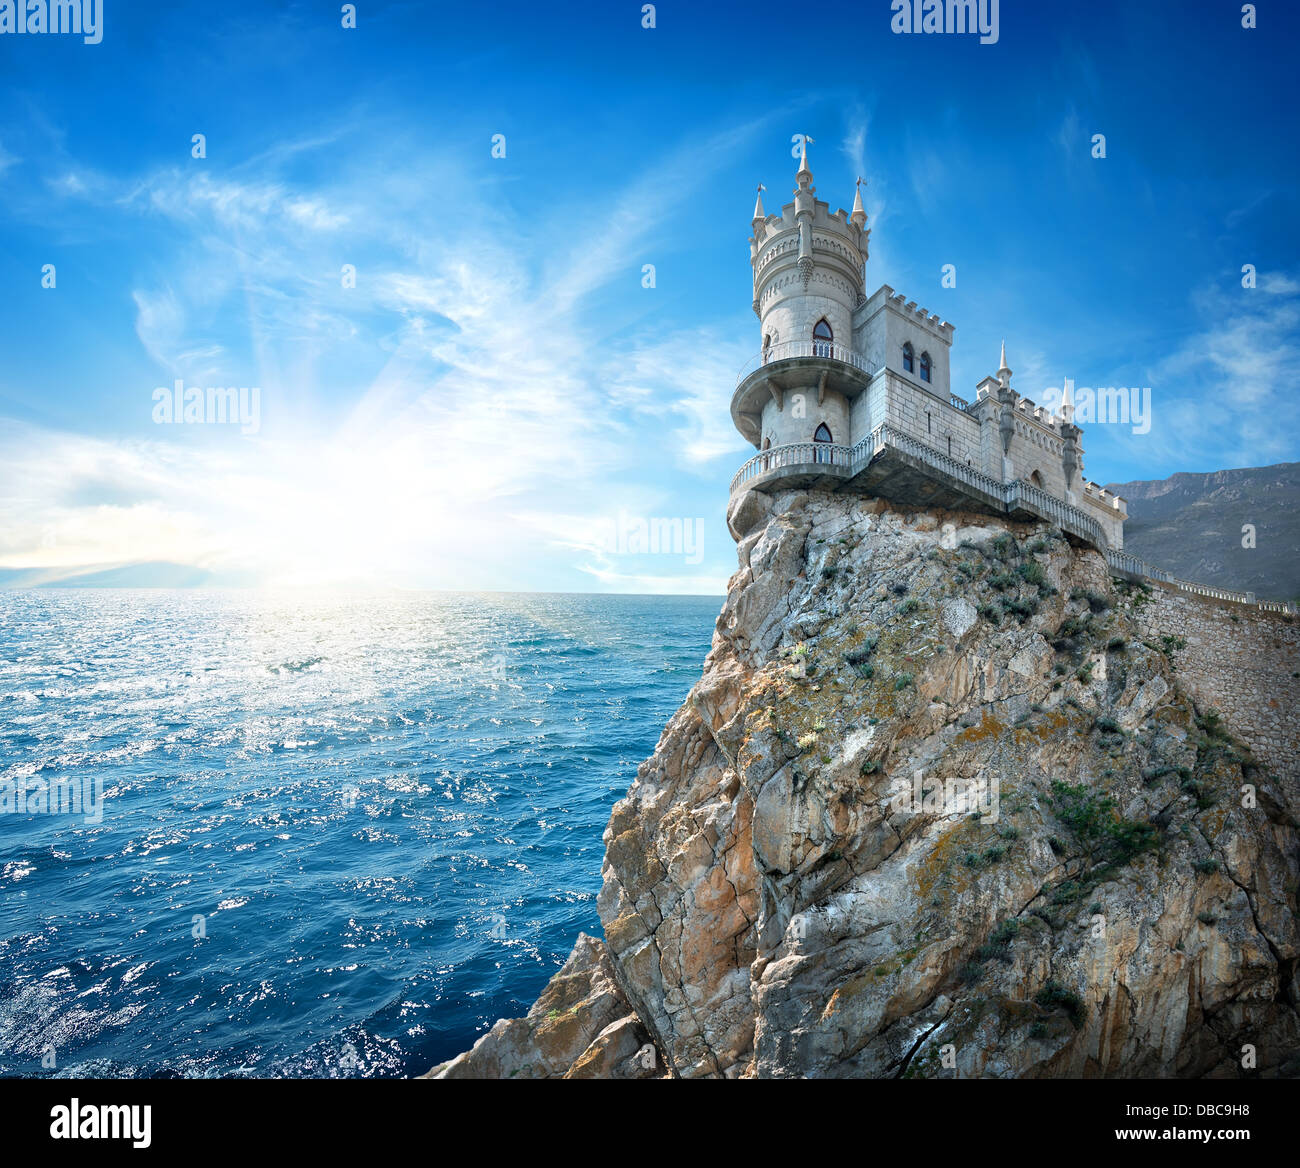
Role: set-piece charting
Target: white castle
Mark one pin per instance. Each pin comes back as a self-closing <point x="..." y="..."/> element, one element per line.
<point x="852" y="391"/>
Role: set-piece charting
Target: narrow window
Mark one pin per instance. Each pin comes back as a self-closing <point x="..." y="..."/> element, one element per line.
<point x="949" y="445"/>
<point x="907" y="358"/>
<point x="822" y="435"/>
<point x="822" y="339"/>
<point x="925" y="366"/>
<point x="1036" y="479"/>
<point x="929" y="429"/>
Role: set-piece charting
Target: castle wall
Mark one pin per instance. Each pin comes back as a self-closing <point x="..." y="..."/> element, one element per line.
<point x="1033" y="451"/>
<point x="783" y="425"/>
<point x="1112" y="522"/>
<point x="1241" y="661"/>
<point x="884" y="323"/>
<point x="870" y="409"/>
<point x="788" y="314"/>
<point x="932" y="421"/>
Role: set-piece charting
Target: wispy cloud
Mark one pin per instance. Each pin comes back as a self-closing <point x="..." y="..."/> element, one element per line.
<point x="494" y="392"/>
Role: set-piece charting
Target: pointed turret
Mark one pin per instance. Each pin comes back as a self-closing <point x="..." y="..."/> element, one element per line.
<point x="760" y="216"/>
<point x="1067" y="401"/>
<point x="859" y="216"/>
<point x="803" y="176"/>
<point x="1004" y="370"/>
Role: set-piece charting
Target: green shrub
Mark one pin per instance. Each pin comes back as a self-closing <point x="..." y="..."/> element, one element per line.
<point x="1096" y="601"/>
<point x="860" y="652"/>
<point x="1054" y="996"/>
<point x="1031" y="572"/>
<point x="1023" y="609"/>
<point x="1006" y="932"/>
<point x="1096" y="824"/>
<point x="902" y="681"/>
<point x="1004" y="547"/>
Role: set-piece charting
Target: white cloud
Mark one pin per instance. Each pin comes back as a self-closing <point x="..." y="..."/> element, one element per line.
<point x="496" y="407"/>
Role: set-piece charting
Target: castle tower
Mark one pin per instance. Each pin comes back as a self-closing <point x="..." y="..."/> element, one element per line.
<point x="808" y="268"/>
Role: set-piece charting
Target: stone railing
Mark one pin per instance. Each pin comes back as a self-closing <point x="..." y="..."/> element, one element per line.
<point x="1065" y="515"/>
<point x="1133" y="567"/>
<point x="789" y="350"/>
<point x="828" y="457"/>
<point x="847" y="461"/>
<point x="885" y="435"/>
<point x="959" y="403"/>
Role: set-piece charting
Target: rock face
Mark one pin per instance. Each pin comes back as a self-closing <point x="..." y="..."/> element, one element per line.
<point x="937" y="808"/>
<point x="580" y="1028"/>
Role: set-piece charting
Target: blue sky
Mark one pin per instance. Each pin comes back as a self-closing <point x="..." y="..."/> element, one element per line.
<point x="499" y="387"/>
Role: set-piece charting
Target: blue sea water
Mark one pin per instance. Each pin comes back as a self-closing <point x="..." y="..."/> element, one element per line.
<point x="340" y="835"/>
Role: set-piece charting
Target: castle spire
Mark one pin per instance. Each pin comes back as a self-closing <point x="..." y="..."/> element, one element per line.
<point x="803" y="176"/>
<point x="859" y="216"/>
<point x="1004" y="371"/>
<point x="759" y="214"/>
<point x="1067" y="401"/>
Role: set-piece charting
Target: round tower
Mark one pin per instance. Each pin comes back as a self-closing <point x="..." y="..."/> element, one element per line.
<point x="808" y="265"/>
<point x="809" y="279"/>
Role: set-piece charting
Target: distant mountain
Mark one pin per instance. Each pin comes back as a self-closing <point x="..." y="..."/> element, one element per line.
<point x="1191" y="524"/>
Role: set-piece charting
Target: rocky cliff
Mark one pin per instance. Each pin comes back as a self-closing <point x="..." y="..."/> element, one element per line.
<point x="938" y="806"/>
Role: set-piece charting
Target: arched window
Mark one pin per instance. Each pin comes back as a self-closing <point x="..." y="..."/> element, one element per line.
<point x="820" y="436"/>
<point x="925" y="366"/>
<point x="1036" y="479"/>
<point x="907" y="358"/>
<point x="822" y="339"/>
<point x="767" y="346"/>
<point x="767" y="443"/>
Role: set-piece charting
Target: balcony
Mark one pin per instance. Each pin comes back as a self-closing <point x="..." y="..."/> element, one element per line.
<point x="897" y="466"/>
<point x="775" y="355"/>
<point x="796" y="464"/>
<point x="793" y="366"/>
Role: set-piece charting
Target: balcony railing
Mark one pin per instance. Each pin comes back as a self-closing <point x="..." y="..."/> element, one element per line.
<point x="1126" y="563"/>
<point x="788" y="350"/>
<point x="829" y="457"/>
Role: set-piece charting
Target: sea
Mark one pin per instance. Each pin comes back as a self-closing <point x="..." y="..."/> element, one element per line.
<point x="279" y="834"/>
